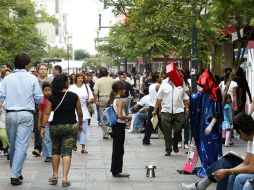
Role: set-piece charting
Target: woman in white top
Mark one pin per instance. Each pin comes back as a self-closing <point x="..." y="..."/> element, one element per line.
<point x="86" y="96"/>
<point x="232" y="90"/>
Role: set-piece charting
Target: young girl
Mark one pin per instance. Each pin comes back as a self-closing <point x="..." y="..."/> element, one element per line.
<point x="227" y="124"/>
<point x="46" y="140"/>
<point x="118" y="131"/>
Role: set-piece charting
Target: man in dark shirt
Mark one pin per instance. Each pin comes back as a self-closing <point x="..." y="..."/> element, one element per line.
<point x="128" y="90"/>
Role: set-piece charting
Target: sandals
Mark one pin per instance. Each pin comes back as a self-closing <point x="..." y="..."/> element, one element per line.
<point x="66" y="183"/>
<point x="53" y="180"/>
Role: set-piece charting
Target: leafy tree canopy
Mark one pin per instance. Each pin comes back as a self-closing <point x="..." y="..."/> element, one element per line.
<point x="80" y="54"/>
<point x="18" y="30"/>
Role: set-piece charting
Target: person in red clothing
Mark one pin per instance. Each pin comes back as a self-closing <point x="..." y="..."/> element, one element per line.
<point x="46" y="141"/>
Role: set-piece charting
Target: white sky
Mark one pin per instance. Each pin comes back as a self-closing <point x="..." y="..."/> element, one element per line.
<point x="83" y="21"/>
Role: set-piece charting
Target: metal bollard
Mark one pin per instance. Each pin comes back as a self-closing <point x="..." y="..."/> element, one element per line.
<point x="150" y="172"/>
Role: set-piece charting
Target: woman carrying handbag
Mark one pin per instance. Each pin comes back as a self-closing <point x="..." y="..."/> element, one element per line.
<point x="63" y="128"/>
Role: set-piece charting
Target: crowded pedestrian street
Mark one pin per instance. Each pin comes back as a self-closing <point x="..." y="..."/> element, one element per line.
<point x="92" y="171"/>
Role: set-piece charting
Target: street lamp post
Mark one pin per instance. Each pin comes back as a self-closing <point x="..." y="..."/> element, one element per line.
<point x="69" y="48"/>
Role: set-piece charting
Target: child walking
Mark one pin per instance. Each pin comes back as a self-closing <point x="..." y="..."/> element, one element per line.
<point x="227" y="125"/>
<point x="118" y="130"/>
<point x="46" y="140"/>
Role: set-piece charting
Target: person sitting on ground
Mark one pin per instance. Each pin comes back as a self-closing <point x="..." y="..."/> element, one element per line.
<point x="229" y="171"/>
<point x="141" y="115"/>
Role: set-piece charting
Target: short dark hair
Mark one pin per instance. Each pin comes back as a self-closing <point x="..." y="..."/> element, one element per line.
<point x="59" y="83"/>
<point x="59" y="68"/>
<point x="121" y="73"/>
<point x="155" y="76"/>
<point x="45" y="85"/>
<point x="146" y="91"/>
<point x="22" y="60"/>
<point x="8" y="66"/>
<point x="245" y="123"/>
<point x="103" y="72"/>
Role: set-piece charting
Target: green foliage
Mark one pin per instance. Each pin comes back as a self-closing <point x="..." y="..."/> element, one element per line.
<point x="95" y="62"/>
<point x="81" y="54"/>
<point x="18" y="30"/>
<point x="59" y="53"/>
<point x="159" y="27"/>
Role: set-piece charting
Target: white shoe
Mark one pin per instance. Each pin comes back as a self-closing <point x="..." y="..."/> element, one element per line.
<point x="189" y="186"/>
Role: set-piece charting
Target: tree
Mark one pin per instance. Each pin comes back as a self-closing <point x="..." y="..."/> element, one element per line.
<point x="81" y="54"/>
<point x="18" y="30"/>
<point x="59" y="53"/>
<point x="95" y="62"/>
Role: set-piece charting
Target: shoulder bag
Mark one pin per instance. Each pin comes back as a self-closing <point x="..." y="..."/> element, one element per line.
<point x="89" y="105"/>
<point x="52" y="112"/>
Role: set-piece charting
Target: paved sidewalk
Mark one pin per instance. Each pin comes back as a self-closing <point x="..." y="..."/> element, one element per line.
<point x="92" y="171"/>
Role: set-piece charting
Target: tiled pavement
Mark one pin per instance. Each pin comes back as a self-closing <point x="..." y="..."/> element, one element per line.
<point x="92" y="171"/>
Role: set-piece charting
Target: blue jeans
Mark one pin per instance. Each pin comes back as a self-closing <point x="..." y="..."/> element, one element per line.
<point x="82" y="139"/>
<point x="222" y="163"/>
<point x="248" y="186"/>
<point x="47" y="143"/>
<point x="138" y="122"/>
<point x="236" y="182"/>
<point x="19" y="127"/>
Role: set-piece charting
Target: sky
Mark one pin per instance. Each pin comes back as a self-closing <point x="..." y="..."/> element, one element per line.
<point x="83" y="22"/>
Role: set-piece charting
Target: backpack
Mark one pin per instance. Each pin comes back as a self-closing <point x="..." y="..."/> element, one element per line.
<point x="109" y="117"/>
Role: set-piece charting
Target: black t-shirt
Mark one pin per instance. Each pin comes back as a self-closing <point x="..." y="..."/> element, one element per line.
<point x="65" y="113"/>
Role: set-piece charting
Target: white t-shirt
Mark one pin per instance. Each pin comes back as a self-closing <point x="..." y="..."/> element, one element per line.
<point x="152" y="94"/>
<point x="144" y="101"/>
<point x="232" y="85"/>
<point x="83" y="95"/>
<point x="172" y="97"/>
<point x="115" y="109"/>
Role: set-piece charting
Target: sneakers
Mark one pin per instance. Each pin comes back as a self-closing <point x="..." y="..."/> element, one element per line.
<point x="36" y="152"/>
<point x="189" y="186"/>
<point x="186" y="146"/>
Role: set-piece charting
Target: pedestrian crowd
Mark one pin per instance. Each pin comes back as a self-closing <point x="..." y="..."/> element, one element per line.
<point x="58" y="110"/>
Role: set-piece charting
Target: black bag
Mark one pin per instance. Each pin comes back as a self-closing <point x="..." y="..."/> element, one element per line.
<point x="136" y="108"/>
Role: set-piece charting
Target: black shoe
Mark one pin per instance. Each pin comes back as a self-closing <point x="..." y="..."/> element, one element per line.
<point x="147" y="144"/>
<point x="36" y="152"/>
<point x="48" y="159"/>
<point x="74" y="147"/>
<point x="8" y="156"/>
<point x="15" y="181"/>
<point x="121" y="175"/>
<point x="167" y="154"/>
<point x="21" y="178"/>
<point x="175" y="148"/>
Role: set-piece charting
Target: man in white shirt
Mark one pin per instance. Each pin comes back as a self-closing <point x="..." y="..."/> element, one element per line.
<point x="172" y="101"/>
